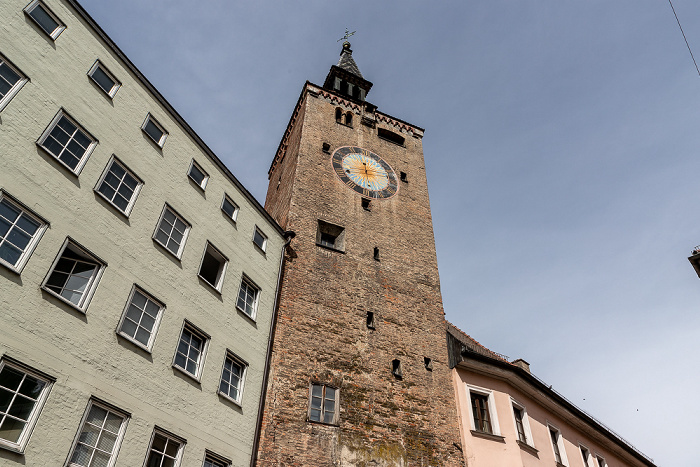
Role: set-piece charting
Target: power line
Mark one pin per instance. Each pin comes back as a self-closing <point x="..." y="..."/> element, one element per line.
<point x="684" y="38"/>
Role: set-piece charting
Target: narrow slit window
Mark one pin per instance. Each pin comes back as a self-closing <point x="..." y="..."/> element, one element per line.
<point x="376" y="253"/>
<point x="104" y="79"/>
<point x="213" y="267"/>
<point x="366" y="204"/>
<point x="396" y="369"/>
<point x="45" y="19"/>
<point x="518" y="414"/>
<point x="338" y="115"/>
<point x="428" y="363"/>
<point x="370" y="320"/>
<point x="404" y="177"/>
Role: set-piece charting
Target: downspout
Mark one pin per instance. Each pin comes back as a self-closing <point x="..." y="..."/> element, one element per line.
<point x="289" y="235"/>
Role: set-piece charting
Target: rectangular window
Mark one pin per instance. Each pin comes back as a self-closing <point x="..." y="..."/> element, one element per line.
<point x="172" y="231"/>
<point x="154" y="130"/>
<point x="20" y="231"/>
<point x="165" y="450"/>
<point x="518" y="414"/>
<point x="330" y="236"/>
<point x="601" y="461"/>
<point x="213" y="267"/>
<point x="323" y="404"/>
<point x="229" y="208"/>
<point x="260" y="239"/>
<point x="99" y="437"/>
<point x="558" y="446"/>
<point x="68" y="142"/>
<point x="45" y="18"/>
<point x="586" y="456"/>
<point x="22" y="395"/>
<point x="104" y="79"/>
<point x="214" y="460"/>
<point x="11" y="81"/>
<point x="248" y="297"/>
<point x="189" y="356"/>
<point x="74" y="275"/>
<point x="232" y="377"/>
<point x="119" y="186"/>
<point x="141" y="318"/>
<point x="198" y="175"/>
<point x="480" y="412"/>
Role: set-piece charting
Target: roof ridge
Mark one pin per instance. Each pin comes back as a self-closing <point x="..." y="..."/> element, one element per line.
<point x="482" y="347"/>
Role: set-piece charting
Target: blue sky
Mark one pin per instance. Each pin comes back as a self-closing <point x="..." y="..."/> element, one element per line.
<point x="561" y="149"/>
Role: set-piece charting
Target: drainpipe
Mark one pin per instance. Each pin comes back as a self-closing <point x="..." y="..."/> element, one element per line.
<point x="289" y="235"/>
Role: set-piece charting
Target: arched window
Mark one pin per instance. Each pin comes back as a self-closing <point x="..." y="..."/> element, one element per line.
<point x="348" y="119"/>
<point x="338" y="115"/>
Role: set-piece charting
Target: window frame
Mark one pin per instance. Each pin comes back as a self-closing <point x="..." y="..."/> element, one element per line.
<point x="33" y="242"/>
<point x="493" y="414"/>
<point x="170" y="437"/>
<point x="262" y="247"/>
<point x="600" y="460"/>
<point x="90" y="288"/>
<point x="233" y="217"/>
<point x="194" y="330"/>
<point x="230" y="355"/>
<point x="215" y="459"/>
<point x="53" y="35"/>
<point x="560" y="448"/>
<point x="585" y="452"/>
<point x="336" y="414"/>
<point x="180" y="250"/>
<point x="117" y="84"/>
<point x="249" y="282"/>
<point x="88" y="151"/>
<point x="23" y="79"/>
<point x="203" y="185"/>
<point x="31" y="421"/>
<point x="150" y="118"/>
<point x="120" y="436"/>
<point x="529" y="440"/>
<point x="220" y="273"/>
<point x="151" y="340"/>
<point x="115" y="160"/>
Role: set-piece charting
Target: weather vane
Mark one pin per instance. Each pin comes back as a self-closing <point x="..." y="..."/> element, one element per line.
<point x="347" y="35"/>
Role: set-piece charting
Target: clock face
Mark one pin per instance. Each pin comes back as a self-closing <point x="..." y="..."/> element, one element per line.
<point x="364" y="172"/>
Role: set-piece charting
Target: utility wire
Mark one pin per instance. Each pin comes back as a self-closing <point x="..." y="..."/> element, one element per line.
<point x="684" y="38"/>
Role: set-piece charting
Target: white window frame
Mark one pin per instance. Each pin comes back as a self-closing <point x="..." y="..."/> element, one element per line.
<point x="560" y="444"/>
<point x="220" y="274"/>
<point x="582" y="448"/>
<point x="262" y="247"/>
<point x="600" y="460"/>
<point x="336" y="413"/>
<point x="48" y="381"/>
<point x="27" y="253"/>
<point x="493" y="415"/>
<point x="149" y="118"/>
<point x="61" y="25"/>
<point x="244" y="366"/>
<point x="205" y="180"/>
<point x="120" y="436"/>
<point x="192" y="329"/>
<point x="149" y="346"/>
<point x="234" y="216"/>
<point x="90" y="288"/>
<point x="15" y="87"/>
<point x="117" y="84"/>
<point x="167" y="207"/>
<point x="249" y="282"/>
<point x="115" y="160"/>
<point x="170" y="437"/>
<point x="526" y="422"/>
<point x="88" y="151"/>
<point x="215" y="459"/>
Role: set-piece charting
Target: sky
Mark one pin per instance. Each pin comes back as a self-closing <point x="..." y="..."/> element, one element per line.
<point x="561" y="149"/>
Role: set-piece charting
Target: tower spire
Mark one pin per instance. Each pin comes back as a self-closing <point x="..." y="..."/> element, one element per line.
<point x="345" y="77"/>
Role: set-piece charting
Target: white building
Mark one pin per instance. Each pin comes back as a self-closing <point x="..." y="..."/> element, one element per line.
<point x="138" y="277"/>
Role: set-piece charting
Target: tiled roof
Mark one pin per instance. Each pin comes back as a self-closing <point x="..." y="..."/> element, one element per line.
<point x="472" y="344"/>
<point x="346" y="61"/>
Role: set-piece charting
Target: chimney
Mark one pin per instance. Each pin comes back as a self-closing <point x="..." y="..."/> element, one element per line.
<point x="522" y="364"/>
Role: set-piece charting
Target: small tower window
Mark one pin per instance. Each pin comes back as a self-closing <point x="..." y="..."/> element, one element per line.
<point x="366" y="204"/>
<point x="428" y="363"/>
<point x="344" y="87"/>
<point x="404" y="178"/>
<point x="376" y="253"/>
<point x="348" y="119"/>
<point x="396" y="369"/>
<point x="370" y="320"/>
<point x="338" y="115"/>
<point x="326" y="148"/>
<point x="330" y="236"/>
<point x="356" y="92"/>
<point x="390" y="136"/>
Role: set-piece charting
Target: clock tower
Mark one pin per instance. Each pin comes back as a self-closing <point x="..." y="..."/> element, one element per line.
<point x="358" y="373"/>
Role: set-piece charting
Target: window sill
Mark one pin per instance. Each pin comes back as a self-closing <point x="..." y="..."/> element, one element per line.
<point x="344" y="124"/>
<point x="11" y="268"/>
<point x="165" y="249"/>
<point x="527" y="447"/>
<point x="492" y="437"/>
<point x="133" y="341"/>
<point x="75" y="171"/>
<point x="12" y="447"/>
<point x="229" y="399"/>
<point x="241" y="311"/>
<point x="208" y="284"/>
<point x="186" y="373"/>
<point x="330" y="248"/>
<point x="336" y="424"/>
<point x="261" y="250"/>
<point x="67" y="302"/>
<point x="112" y="205"/>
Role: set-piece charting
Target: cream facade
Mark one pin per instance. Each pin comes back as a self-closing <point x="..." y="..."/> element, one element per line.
<point x="138" y="277"/>
<point x="510" y="418"/>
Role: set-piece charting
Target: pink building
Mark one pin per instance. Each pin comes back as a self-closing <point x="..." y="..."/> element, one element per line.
<point x="508" y="417"/>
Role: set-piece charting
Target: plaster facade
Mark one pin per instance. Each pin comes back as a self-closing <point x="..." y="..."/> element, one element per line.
<point x="80" y="348"/>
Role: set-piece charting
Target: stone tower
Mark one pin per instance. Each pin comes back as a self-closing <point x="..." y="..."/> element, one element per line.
<point x="359" y="373"/>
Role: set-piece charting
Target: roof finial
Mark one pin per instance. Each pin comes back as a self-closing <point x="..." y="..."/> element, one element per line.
<point x="346" y="36"/>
